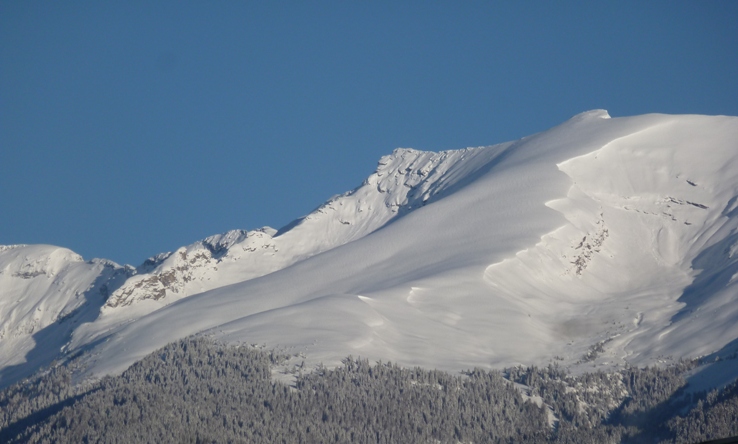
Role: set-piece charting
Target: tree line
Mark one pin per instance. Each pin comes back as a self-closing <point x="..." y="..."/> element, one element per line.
<point x="198" y="391"/>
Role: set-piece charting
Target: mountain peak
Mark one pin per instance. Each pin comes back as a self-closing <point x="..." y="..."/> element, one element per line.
<point x="593" y="114"/>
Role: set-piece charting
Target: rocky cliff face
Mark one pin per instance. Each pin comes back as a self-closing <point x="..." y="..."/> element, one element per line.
<point x="195" y="268"/>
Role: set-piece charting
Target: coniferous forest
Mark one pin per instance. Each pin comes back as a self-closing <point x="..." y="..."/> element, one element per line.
<point x="199" y="391"/>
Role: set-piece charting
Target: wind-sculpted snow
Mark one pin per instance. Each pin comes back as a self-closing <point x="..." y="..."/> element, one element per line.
<point x="597" y="243"/>
<point x="405" y="180"/>
<point x="641" y="211"/>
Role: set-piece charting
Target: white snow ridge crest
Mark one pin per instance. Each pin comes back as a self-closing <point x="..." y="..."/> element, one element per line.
<point x="600" y="242"/>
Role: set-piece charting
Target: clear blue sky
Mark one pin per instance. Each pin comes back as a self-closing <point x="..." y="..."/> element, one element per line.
<point x="128" y="128"/>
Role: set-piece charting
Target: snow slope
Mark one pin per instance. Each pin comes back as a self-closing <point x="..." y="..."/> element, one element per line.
<point x="46" y="292"/>
<point x="598" y="242"/>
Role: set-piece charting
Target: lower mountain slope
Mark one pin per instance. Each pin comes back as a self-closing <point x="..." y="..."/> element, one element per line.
<point x="195" y="390"/>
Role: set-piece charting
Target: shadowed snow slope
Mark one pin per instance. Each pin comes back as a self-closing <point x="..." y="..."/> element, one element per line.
<point x="598" y="242"/>
<point x="45" y="293"/>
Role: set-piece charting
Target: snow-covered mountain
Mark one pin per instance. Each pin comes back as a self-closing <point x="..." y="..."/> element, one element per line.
<point x="599" y="242"/>
<point x="45" y="293"/>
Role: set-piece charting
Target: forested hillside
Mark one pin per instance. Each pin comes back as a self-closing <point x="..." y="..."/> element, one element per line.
<point x="197" y="391"/>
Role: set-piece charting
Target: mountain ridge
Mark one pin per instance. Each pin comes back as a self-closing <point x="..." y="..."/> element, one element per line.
<point x="434" y="252"/>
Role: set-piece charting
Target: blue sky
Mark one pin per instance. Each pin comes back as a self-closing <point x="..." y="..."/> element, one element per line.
<point x="132" y="128"/>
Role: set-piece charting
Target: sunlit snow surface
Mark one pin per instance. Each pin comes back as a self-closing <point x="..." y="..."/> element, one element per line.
<point x="599" y="242"/>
